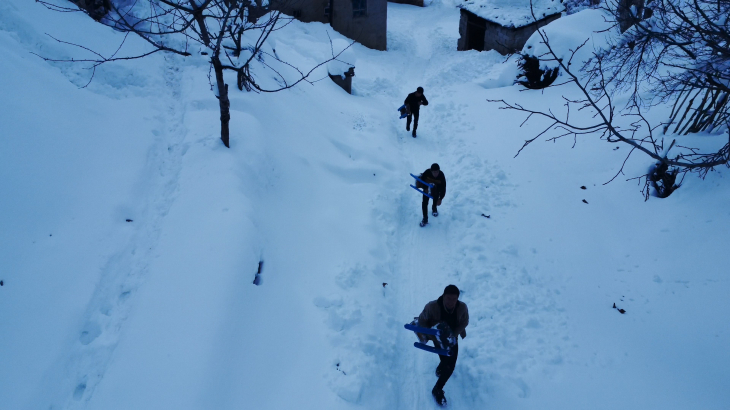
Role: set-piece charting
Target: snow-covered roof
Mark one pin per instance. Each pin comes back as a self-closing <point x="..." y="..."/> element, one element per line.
<point x="512" y="13"/>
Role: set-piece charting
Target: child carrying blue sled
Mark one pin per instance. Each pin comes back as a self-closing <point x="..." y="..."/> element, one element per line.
<point x="442" y="321"/>
<point x="432" y="184"/>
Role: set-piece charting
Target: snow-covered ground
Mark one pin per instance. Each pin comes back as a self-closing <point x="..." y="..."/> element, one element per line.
<point x="160" y="312"/>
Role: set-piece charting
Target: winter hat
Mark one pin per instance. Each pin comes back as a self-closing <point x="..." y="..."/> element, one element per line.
<point x="419" y="89"/>
<point x="435" y="167"/>
<point x="451" y="290"/>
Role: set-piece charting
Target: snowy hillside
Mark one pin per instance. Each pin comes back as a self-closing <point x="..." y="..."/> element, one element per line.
<point x="130" y="237"/>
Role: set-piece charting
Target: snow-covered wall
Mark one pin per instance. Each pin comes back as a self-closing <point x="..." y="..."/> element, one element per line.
<point x="483" y="35"/>
<point x="513" y="13"/>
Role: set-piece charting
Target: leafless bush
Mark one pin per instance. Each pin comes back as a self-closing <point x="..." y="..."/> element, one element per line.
<point x="677" y="52"/>
<point x="226" y="29"/>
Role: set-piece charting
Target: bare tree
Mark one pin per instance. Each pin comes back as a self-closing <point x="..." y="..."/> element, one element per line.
<point x="678" y="53"/>
<point x="225" y="30"/>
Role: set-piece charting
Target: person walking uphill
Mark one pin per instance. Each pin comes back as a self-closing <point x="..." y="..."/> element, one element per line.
<point x="433" y="176"/>
<point x="413" y="104"/>
<point x="447" y="308"/>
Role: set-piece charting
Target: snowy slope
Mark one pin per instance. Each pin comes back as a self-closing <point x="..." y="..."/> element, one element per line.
<point x="75" y="164"/>
<point x="160" y="312"/>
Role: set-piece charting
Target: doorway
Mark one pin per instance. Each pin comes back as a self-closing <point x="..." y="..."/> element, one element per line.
<point x="476" y="29"/>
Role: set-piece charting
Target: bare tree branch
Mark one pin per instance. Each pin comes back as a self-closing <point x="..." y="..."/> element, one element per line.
<point x="223" y="27"/>
<point x="681" y="54"/>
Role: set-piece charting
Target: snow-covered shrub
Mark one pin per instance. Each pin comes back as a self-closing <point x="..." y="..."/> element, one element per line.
<point x="574" y="6"/>
<point x="676" y="54"/>
<point x="663" y="180"/>
<point x="669" y="53"/>
<point x="96" y="9"/>
<point x="532" y="76"/>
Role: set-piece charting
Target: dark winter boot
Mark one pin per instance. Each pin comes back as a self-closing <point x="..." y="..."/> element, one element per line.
<point x="435" y="213"/>
<point x="423" y="223"/>
<point x="414" y="133"/>
<point x="438" y="395"/>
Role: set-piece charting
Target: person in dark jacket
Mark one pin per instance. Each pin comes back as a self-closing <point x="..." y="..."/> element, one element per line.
<point x="413" y="105"/>
<point x="447" y="308"/>
<point x="433" y="176"/>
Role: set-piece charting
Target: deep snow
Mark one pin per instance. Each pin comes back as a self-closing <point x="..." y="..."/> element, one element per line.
<point x="161" y="312"/>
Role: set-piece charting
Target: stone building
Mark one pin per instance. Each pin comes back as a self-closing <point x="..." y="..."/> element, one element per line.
<point x="418" y="3"/>
<point x="503" y="25"/>
<point x="364" y="21"/>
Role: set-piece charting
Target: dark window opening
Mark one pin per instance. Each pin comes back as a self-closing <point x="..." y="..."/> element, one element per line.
<point x="359" y="8"/>
<point x="327" y="11"/>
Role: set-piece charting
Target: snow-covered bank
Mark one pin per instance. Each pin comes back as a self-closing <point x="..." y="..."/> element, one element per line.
<point x="161" y="312"/>
<point x="74" y="167"/>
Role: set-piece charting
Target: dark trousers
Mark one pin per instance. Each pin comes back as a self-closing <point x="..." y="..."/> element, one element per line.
<point x="447" y="365"/>
<point x="424" y="207"/>
<point x="413" y="114"/>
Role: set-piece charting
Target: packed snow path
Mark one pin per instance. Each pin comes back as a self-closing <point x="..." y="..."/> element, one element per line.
<point x="460" y="246"/>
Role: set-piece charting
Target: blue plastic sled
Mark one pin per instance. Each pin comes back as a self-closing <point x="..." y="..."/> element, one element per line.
<point x="423" y="346"/>
<point x="431" y="349"/>
<point x="422" y="181"/>
<point x="433" y="332"/>
<point x="424" y="330"/>
<point x="403" y="111"/>
<point x="423" y="192"/>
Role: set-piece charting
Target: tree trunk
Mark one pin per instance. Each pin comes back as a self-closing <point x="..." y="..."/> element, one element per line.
<point x="198" y="15"/>
<point x="223" y="102"/>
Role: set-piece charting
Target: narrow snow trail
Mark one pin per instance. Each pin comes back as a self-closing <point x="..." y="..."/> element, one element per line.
<point x="421" y="257"/>
<point x="126" y="269"/>
<point x="461" y="245"/>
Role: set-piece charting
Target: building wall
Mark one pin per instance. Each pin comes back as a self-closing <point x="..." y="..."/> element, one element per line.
<point x="370" y="30"/>
<point x="418" y="3"/>
<point x="505" y="40"/>
<point x="463" y="18"/>
<point x="304" y="10"/>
